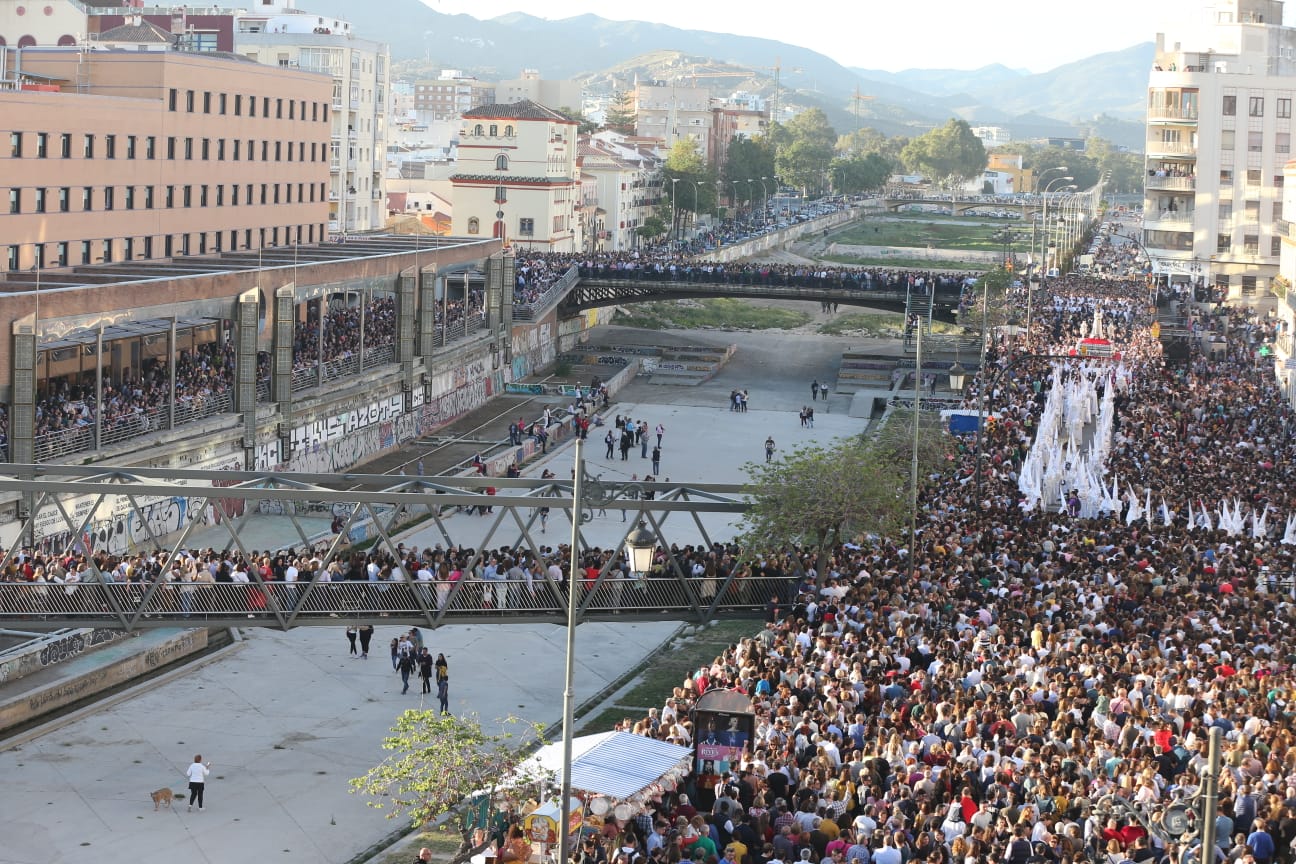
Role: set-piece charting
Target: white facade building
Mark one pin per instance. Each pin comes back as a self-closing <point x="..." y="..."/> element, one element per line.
<point x="1219" y="130"/>
<point x="278" y="34"/>
<point x="516" y="177"/>
<point x="623" y="192"/>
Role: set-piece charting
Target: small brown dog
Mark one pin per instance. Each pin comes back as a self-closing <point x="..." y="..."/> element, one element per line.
<point x="163" y="796"/>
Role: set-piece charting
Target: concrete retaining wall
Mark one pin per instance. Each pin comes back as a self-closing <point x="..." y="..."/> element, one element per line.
<point x="86" y="679"/>
<point x="44" y="654"/>
<point x="775" y="239"/>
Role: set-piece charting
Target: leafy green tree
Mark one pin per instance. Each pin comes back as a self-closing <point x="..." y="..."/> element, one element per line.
<point x="688" y="181"/>
<point x="857" y="173"/>
<point x="652" y="228"/>
<point x="747" y="159"/>
<point x="586" y="126"/>
<point x="620" y="115"/>
<point x="439" y="761"/>
<point x="947" y="154"/>
<point x="867" y="140"/>
<point x="803" y="159"/>
<point x="818" y="496"/>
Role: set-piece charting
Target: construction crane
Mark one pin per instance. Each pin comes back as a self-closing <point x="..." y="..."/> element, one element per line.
<point x="777" y="69"/>
<point x="857" y="99"/>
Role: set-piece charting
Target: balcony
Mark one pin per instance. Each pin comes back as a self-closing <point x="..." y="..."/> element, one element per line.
<point x="1172" y="115"/>
<point x="1172" y="184"/>
<point x="337" y="104"/>
<point x="355" y="104"/>
<point x="1171" y="148"/>
<point x="1169" y="220"/>
<point x="334" y="166"/>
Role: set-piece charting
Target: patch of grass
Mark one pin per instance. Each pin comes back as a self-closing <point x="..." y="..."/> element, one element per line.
<point x="667" y="672"/>
<point x="877" y="324"/>
<point x="906" y="263"/>
<point x="948" y="235"/>
<point x="724" y="313"/>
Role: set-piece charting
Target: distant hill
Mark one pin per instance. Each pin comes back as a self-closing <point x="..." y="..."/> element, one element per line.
<point x="1063" y="101"/>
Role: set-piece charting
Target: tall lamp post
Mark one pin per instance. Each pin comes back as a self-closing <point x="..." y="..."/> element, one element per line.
<point x="1045" y="233"/>
<point x="674" y="216"/>
<point x="764" y="200"/>
<point x="639" y="549"/>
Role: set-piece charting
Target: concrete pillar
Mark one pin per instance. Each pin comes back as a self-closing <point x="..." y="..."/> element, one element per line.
<point x="22" y="405"/>
<point x="429" y="293"/>
<point x="247" y="319"/>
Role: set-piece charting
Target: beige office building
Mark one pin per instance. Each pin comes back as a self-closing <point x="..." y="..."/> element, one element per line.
<point x="130" y="155"/>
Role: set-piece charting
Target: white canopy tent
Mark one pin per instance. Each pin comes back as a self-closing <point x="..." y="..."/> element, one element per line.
<point x="616" y="764"/>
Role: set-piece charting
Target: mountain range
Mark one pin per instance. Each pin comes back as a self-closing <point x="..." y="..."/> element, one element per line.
<point x="1107" y="91"/>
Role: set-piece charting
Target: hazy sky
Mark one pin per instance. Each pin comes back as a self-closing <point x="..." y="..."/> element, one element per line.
<point x="882" y="34"/>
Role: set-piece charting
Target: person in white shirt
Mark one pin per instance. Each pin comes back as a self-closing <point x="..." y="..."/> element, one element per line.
<point x="197" y="775"/>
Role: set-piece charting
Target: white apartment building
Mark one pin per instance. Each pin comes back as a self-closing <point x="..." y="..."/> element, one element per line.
<point x="673" y="112"/>
<point x="278" y="34"/>
<point x="1219" y="130"/>
<point x="516" y="177"/>
<point x="552" y="93"/>
<point x="623" y="192"/>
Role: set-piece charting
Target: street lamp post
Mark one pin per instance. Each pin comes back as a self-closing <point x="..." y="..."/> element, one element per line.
<point x="569" y="680"/>
<point x="674" y="216"/>
<point x="913" y="468"/>
<point x="1045" y="233"/>
<point x="764" y="200"/>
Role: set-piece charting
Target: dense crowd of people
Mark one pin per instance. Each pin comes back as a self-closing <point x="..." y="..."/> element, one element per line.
<point x="983" y="696"/>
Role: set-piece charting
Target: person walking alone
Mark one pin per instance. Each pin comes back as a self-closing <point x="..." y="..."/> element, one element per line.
<point x="197" y="774"/>
<point x="425" y="670"/>
<point x="366" y="636"/>
<point x="769" y="449"/>
<point x="406" y="665"/>
<point x="656" y="459"/>
<point x="443" y="695"/>
<point x="351" y="637"/>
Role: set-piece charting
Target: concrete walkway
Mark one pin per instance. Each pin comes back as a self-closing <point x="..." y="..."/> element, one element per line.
<point x="286" y="719"/>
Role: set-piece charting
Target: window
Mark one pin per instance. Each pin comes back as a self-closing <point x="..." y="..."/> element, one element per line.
<point x="1223" y="242"/>
<point x="526" y="227"/>
<point x="1278" y="181"/>
<point x="279" y="109"/>
<point x="150" y="147"/>
<point x="15" y="200"/>
<point x="171" y="147"/>
<point x="107" y="255"/>
<point x="1282" y="142"/>
<point x="40" y="200"/>
<point x="279" y="151"/>
<point x="188" y="196"/>
<point x="130" y="146"/>
<point x="494" y="130"/>
<point x="501" y="162"/>
<point x="128" y="253"/>
<point x="85" y="246"/>
<point x="61" y="254"/>
<point x="169" y="197"/>
<point x="1226" y="139"/>
<point x="42" y="145"/>
<point x="501" y="195"/>
<point x="222" y="103"/>
<point x="65" y="146"/>
<point x="15" y="145"/>
<point x="1250" y="244"/>
<point x="1230" y="106"/>
<point x="206" y="149"/>
<point x="1225" y="211"/>
<point x="1252" y="210"/>
<point x="65" y="199"/>
<point x="88" y="150"/>
<point x="108" y="197"/>
<point x="1255" y="106"/>
<point x="238" y="104"/>
<point x="474" y="227"/>
<point x="1283" y="109"/>
<point x="508" y="131"/>
<point x="237" y="142"/>
<point x="189" y="101"/>
<point x="172" y="99"/>
<point x="206" y="102"/>
<point x="220" y="195"/>
<point x="1255" y="142"/>
<point x="87" y="198"/>
<point x="110" y="146"/>
<point x="220" y="149"/>
<point x="477" y="130"/>
<point x="1226" y="177"/>
<point x="1253" y="177"/>
<point x="188" y="148"/>
<point x="148" y="197"/>
<point x="1248" y="284"/>
<point x="1275" y="246"/>
<point x="234" y="195"/>
<point x="202" y="195"/>
<point x="13" y="257"/>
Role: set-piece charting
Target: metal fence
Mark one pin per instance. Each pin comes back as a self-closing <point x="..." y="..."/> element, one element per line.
<point x="66" y="442"/>
<point x="283" y="604"/>
<point x="537" y="307"/>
